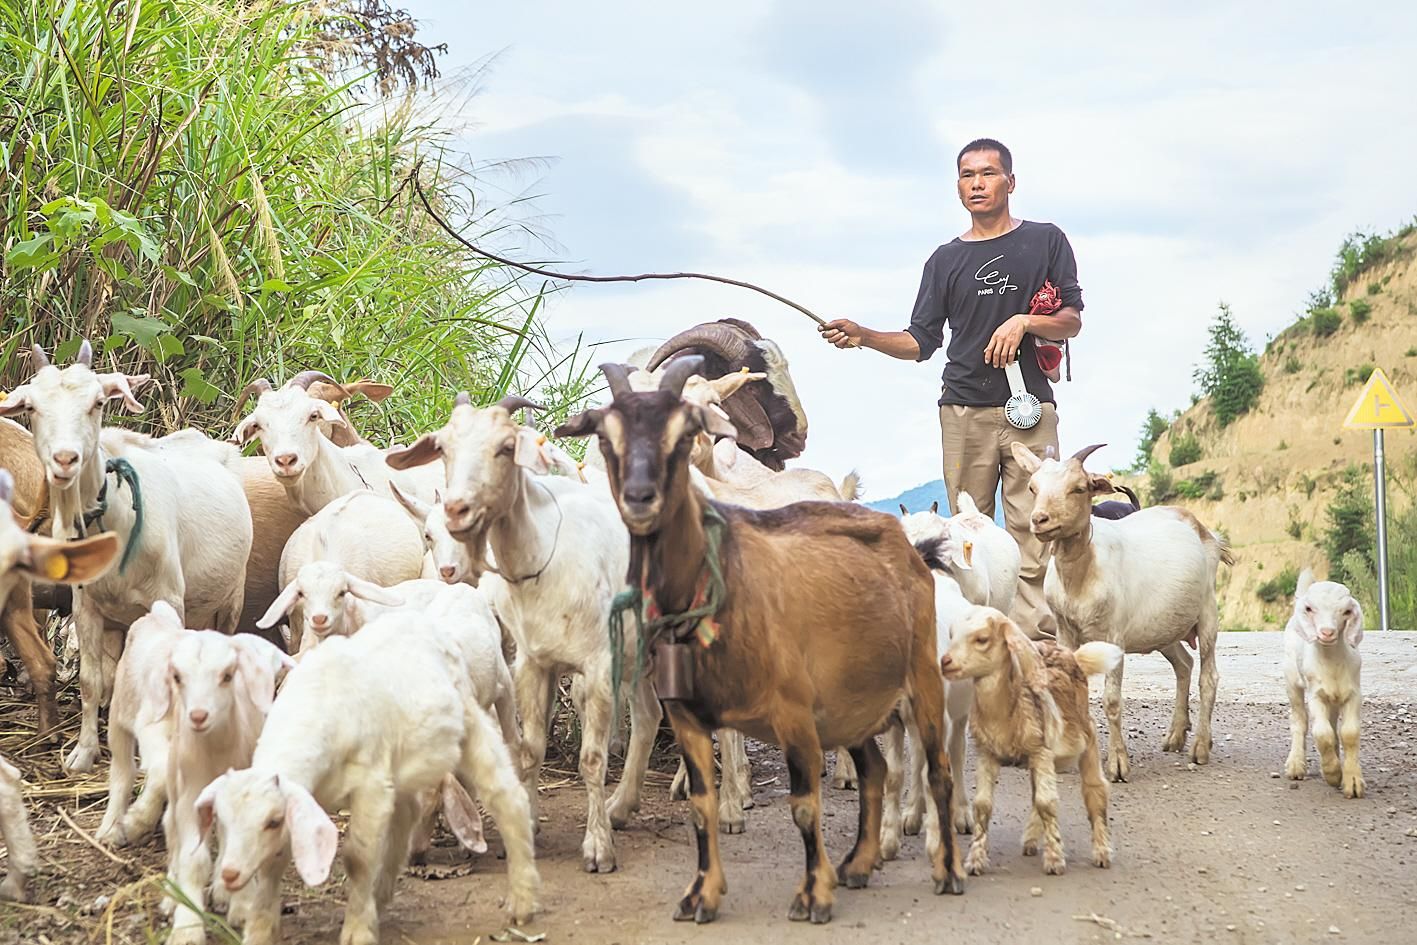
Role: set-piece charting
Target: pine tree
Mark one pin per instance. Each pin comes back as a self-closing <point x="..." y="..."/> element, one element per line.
<point x="1230" y="376"/>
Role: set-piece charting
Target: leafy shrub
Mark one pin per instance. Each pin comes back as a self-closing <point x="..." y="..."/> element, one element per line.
<point x="1411" y="352"/>
<point x="1283" y="445"/>
<point x="1151" y="430"/>
<point x="1161" y="486"/>
<point x="1197" y="487"/>
<point x="1307" y="483"/>
<point x="1375" y="287"/>
<point x="1360" y="309"/>
<point x="1185" y="449"/>
<point x="1350" y="524"/>
<point x="1292" y="365"/>
<point x="1231" y="374"/>
<point x="1295" y="528"/>
<point x="1360" y="252"/>
<point x="1324" y="322"/>
<point x="1358" y="375"/>
<point x="1280" y="587"/>
<point x="1216" y="491"/>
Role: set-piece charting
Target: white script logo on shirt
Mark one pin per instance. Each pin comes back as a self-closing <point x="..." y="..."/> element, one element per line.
<point x="993" y="279"/>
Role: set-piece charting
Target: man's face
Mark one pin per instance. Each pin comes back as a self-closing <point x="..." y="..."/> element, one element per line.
<point x="983" y="185"/>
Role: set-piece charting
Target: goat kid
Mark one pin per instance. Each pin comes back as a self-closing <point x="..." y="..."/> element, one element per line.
<point x="752" y="676"/>
<point x="1030" y="709"/>
<point x="191" y="490"/>
<point x="367" y="723"/>
<point x="1322" y="674"/>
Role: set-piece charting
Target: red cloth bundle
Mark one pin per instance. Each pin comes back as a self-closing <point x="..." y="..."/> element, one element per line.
<point x="1046" y="301"/>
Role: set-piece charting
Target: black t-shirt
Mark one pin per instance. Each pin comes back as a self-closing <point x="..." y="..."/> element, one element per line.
<point x="976" y="287"/>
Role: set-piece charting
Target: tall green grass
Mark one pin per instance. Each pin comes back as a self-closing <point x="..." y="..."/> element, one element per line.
<point x="190" y="185"/>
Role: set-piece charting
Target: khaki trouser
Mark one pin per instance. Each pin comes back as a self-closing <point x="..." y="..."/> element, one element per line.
<point x="976" y="449"/>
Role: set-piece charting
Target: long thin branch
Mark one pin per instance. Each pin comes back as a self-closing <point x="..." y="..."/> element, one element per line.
<point x="642" y="277"/>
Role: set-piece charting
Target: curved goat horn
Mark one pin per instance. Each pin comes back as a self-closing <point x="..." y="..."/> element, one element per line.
<point x="721" y="339"/>
<point x="304" y="379"/>
<point x="38" y="359"/>
<point x="512" y="403"/>
<point x="85" y="355"/>
<point x="463" y="399"/>
<point x="618" y="377"/>
<point x="680" y="371"/>
<point x="254" y="389"/>
<point x="1082" y="454"/>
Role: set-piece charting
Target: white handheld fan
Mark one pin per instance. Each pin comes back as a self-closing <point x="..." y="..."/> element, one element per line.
<point x="1023" y="410"/>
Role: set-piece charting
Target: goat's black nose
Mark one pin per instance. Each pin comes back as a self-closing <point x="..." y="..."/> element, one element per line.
<point x="640" y="493"/>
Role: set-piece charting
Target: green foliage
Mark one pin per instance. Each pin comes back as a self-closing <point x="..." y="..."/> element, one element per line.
<point x="1359" y="253"/>
<point x="1280" y="587"/>
<point x="1231" y="374"/>
<point x="1350" y="524"/>
<point x="1295" y="528"/>
<point x="1324" y="321"/>
<point x="1161" y="485"/>
<point x="1307" y="483"/>
<point x="1283" y="445"/>
<point x="1198" y="487"/>
<point x="1185" y="449"/>
<point x="1411" y="352"/>
<point x="1358" y="375"/>
<point x="1360" y="310"/>
<point x="1292" y="365"/>
<point x="1151" y="430"/>
<point x="1375" y="287"/>
<point x="198" y="189"/>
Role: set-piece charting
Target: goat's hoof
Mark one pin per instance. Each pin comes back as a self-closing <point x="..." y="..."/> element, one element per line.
<point x="620" y="813"/>
<point x="890" y="847"/>
<point x="1118" y="767"/>
<point x="81" y="760"/>
<point x="599" y="864"/>
<point x="1200" y="751"/>
<point x="732" y="824"/>
<point x="954" y="885"/>
<point x="1174" y="741"/>
<point x="1030" y="848"/>
<point x="112" y="836"/>
<point x="1294" y="768"/>
<point x="15" y="888"/>
<point x="804" y="909"/>
<point x="964" y="824"/>
<point x="520" y="908"/>
<point x="852" y="880"/>
<point x="1054" y="864"/>
<point x="747" y="803"/>
<point x="976" y="863"/>
<point x="911" y="823"/>
<point x="1354" y="786"/>
<point x="842" y="783"/>
<point x="1102" y="859"/>
<point x="694" y="907"/>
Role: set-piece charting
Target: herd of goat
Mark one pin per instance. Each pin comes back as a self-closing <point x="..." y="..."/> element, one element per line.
<point x="382" y="592"/>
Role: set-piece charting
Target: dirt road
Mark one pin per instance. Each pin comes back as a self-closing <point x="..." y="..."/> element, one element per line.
<point x="1224" y="853"/>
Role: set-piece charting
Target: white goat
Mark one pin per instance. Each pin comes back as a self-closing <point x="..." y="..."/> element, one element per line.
<point x="23" y="556"/>
<point x="196" y="700"/>
<point x="1145" y="582"/>
<point x="445" y="558"/>
<point x="295" y="430"/>
<point x="190" y="490"/>
<point x="973" y="562"/>
<point x="348" y="603"/>
<point x="563" y="553"/>
<point x="367" y="535"/>
<point x="1322" y="669"/>
<point x="366" y="723"/>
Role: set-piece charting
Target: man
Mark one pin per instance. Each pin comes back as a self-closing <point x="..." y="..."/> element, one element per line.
<point x="980" y="284"/>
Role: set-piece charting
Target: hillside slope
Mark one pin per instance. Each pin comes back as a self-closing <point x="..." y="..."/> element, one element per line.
<point x="1279" y="466"/>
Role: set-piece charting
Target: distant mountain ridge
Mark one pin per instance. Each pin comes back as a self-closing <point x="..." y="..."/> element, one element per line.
<point x="918" y="499"/>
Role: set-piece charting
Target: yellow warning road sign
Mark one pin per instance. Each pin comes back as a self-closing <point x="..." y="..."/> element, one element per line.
<point x="1378" y="407"/>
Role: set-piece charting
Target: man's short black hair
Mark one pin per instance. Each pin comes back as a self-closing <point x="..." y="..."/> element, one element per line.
<point x="987" y="144"/>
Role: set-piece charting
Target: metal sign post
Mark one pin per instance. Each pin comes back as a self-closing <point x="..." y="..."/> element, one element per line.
<point x="1378" y="408"/>
<point x="1380" y="477"/>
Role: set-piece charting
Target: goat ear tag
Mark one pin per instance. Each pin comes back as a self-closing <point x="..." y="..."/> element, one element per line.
<point x="56" y="566"/>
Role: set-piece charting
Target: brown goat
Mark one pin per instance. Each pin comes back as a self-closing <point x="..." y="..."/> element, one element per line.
<point x="786" y="666"/>
<point x="30" y="497"/>
<point x="1030" y="709"/>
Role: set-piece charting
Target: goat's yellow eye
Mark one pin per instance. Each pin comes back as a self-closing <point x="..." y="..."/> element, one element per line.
<point x="226" y="676"/>
<point x="274" y="823"/>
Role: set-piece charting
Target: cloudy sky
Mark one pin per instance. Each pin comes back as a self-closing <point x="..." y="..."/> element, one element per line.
<point x="1216" y="151"/>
